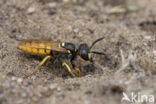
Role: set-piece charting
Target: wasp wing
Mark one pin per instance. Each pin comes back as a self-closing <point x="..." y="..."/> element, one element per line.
<point x="42" y="45"/>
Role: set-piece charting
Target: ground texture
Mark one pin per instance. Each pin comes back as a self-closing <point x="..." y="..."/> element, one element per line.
<point x="129" y="31"/>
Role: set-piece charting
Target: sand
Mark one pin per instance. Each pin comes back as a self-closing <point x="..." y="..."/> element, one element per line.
<point x="129" y="31"/>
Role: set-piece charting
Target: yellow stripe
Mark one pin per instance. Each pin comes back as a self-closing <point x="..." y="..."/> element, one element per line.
<point x="34" y="51"/>
<point x="20" y="47"/>
<point x="28" y="49"/>
<point x="42" y="52"/>
<point x="23" y="48"/>
<point x="48" y="51"/>
<point x="48" y="47"/>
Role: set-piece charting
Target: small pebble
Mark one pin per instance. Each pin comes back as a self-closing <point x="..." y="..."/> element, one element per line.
<point x="80" y="34"/>
<point x="39" y="95"/>
<point x="31" y="9"/>
<point x="154" y="52"/>
<point x="65" y="1"/>
<point x="13" y="78"/>
<point x="3" y="76"/>
<point x="145" y="44"/>
<point x="52" y="4"/>
<point x="19" y="80"/>
<point x="35" y="98"/>
<point x="59" y="89"/>
<point x="69" y="28"/>
<point x="24" y="94"/>
<point x="147" y="37"/>
<point x="76" y="30"/>
<point x="52" y="86"/>
<point x="86" y="102"/>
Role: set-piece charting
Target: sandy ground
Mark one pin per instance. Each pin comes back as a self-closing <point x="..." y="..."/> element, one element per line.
<point x="129" y="31"/>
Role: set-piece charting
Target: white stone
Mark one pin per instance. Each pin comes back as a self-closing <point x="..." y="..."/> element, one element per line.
<point x="147" y="37"/>
<point x="19" y="80"/>
<point x="31" y="9"/>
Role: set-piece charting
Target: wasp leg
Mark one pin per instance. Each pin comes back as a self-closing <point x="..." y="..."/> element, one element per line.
<point x="80" y="68"/>
<point x="69" y="69"/>
<point x="38" y="66"/>
<point x="76" y="69"/>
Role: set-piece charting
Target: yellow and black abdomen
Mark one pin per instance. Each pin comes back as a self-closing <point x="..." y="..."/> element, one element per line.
<point x="36" y="47"/>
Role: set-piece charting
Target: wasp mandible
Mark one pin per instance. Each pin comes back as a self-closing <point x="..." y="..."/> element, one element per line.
<point x="47" y="48"/>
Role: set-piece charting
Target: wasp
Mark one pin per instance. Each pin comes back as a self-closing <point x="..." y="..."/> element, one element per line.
<point x="48" y="48"/>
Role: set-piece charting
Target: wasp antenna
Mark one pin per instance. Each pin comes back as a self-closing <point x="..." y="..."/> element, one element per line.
<point x="100" y="53"/>
<point x="96" y="42"/>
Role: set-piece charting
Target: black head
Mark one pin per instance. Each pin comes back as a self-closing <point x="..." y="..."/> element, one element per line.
<point x="85" y="52"/>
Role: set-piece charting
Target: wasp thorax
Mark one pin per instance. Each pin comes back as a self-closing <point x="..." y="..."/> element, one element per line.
<point x="68" y="46"/>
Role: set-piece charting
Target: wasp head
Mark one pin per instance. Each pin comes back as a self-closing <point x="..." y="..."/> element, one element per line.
<point x="85" y="52"/>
